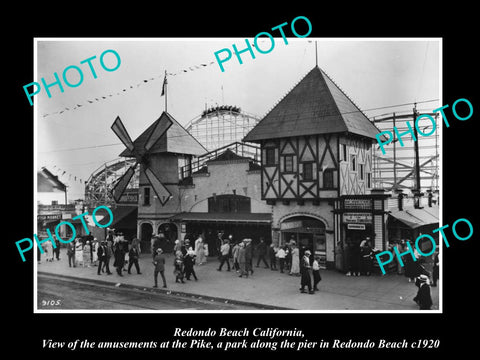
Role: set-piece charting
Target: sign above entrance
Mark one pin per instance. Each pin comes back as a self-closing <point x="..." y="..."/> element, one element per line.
<point x="364" y="204"/>
<point x="49" y="217"/>
<point x="291" y="225"/>
<point x="357" y="218"/>
<point x="356" y="226"/>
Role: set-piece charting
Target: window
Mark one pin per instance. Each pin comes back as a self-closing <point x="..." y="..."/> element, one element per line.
<point x="308" y="171"/>
<point x="229" y="204"/>
<point x="344" y="152"/>
<point x="146" y="196"/>
<point x="369" y="180"/>
<point x="328" y="179"/>
<point x="288" y="163"/>
<point x="360" y="168"/>
<point x="270" y="156"/>
<point x="353" y="162"/>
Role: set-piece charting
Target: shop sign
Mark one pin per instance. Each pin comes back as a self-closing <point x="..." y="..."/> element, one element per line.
<point x="129" y="197"/>
<point x="357" y="204"/>
<point x="49" y="217"/>
<point x="357" y="218"/>
<point x="291" y="225"/>
<point x="356" y="226"/>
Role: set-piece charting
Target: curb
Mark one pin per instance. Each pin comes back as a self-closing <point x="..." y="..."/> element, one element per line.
<point x="166" y="291"/>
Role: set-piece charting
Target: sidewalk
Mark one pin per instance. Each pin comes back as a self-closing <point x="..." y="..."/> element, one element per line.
<point x="272" y="288"/>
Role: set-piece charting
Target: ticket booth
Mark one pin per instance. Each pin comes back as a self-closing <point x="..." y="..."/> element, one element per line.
<point x="308" y="233"/>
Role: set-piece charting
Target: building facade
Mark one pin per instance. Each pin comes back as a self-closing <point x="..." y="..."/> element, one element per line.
<point x="316" y="170"/>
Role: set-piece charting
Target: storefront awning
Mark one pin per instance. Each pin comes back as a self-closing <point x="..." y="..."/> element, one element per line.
<point x="415" y="218"/>
<point x="125" y="217"/>
<point x="260" y="218"/>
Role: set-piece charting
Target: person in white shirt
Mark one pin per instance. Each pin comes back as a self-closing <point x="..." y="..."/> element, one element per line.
<point x="225" y="253"/>
<point x="281" y="254"/>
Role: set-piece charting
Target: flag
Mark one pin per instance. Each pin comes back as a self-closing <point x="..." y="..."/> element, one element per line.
<point x="164" y="86"/>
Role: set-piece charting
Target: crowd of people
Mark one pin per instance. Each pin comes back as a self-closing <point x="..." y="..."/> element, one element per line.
<point x="414" y="271"/>
<point x="238" y="255"/>
<point x="359" y="259"/>
<point x="290" y="259"/>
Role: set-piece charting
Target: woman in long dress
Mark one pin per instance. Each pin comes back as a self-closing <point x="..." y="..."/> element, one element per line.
<point x="95" y="246"/>
<point x="86" y="254"/>
<point x="295" y="269"/>
<point x="79" y="251"/>
<point x="200" y="251"/>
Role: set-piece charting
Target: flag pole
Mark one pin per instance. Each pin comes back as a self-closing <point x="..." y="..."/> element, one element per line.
<point x="165" y="85"/>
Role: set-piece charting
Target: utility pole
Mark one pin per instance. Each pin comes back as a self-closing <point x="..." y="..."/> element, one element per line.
<point x="417" y="193"/>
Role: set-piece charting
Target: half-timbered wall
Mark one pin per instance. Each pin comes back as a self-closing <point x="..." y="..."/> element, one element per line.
<point x="303" y="167"/>
<point x="355" y="165"/>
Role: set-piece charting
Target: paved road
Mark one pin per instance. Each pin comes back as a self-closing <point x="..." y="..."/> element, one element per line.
<point x="57" y="293"/>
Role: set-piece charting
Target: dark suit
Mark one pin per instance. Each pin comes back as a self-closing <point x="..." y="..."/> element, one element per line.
<point x="102" y="254"/>
<point x="423" y="298"/>
<point x="133" y="259"/>
<point x="159" y="262"/>
<point x="306" y="279"/>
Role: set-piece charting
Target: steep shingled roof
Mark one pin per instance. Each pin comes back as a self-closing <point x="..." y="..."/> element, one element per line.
<point x="316" y="105"/>
<point x="47" y="182"/>
<point x="178" y="140"/>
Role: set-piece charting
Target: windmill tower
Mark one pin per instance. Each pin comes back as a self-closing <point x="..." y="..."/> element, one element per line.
<point x="160" y="151"/>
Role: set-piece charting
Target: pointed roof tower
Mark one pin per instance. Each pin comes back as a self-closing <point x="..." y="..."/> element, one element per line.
<point x="316" y="105"/>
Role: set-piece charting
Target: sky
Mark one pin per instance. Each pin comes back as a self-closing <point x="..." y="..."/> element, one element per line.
<point x="73" y="143"/>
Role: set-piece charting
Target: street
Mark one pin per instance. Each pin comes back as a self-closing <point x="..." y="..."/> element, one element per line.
<point x="56" y="293"/>
<point x="265" y="289"/>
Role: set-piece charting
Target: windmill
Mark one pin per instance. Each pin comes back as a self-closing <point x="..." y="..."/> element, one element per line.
<point x="142" y="156"/>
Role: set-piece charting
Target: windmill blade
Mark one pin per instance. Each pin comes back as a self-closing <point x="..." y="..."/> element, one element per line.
<point x="160" y="128"/>
<point x="119" y="129"/>
<point x="160" y="190"/>
<point x="122" y="184"/>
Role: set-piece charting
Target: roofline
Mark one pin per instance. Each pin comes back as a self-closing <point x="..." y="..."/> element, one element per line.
<point x="259" y="140"/>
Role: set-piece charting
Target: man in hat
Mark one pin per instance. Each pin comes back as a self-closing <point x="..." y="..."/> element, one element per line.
<point x="305" y="269"/>
<point x="366" y="257"/>
<point x="224" y="255"/>
<point x="249" y="255"/>
<point x="185" y="246"/>
<point x="423" y="298"/>
<point x="102" y="255"/>
<point x="159" y="263"/>
<point x="133" y="256"/>
<point x="262" y="252"/>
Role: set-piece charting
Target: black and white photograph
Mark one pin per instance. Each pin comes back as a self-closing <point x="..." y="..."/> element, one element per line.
<point x="170" y="180"/>
<point x="207" y="181"/>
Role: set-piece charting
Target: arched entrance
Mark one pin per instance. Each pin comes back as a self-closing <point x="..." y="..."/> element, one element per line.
<point x="308" y="233"/>
<point x="146" y="231"/>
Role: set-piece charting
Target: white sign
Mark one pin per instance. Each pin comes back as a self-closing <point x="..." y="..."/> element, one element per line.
<point x="358" y="204"/>
<point x="356" y="226"/>
<point x="291" y="225"/>
<point x="357" y="218"/>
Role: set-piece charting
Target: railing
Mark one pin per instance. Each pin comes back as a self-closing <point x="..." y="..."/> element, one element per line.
<point x="239" y="148"/>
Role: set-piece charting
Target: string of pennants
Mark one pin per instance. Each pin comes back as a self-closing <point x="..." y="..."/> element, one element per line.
<point x="59" y="172"/>
<point x="129" y="88"/>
